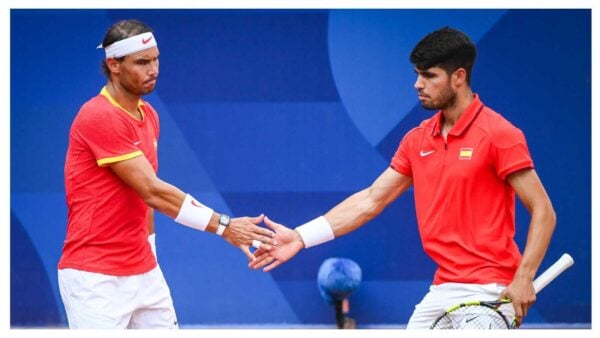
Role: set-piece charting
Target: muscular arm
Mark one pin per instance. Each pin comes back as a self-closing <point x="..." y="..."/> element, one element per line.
<point x="168" y="199"/>
<point x="366" y="204"/>
<point x="532" y="194"/>
<point x="157" y="194"/>
<point x="345" y="217"/>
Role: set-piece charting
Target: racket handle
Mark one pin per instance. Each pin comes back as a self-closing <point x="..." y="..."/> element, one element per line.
<point x="564" y="262"/>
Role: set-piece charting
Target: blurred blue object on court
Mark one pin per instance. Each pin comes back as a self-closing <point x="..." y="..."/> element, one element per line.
<point x="337" y="279"/>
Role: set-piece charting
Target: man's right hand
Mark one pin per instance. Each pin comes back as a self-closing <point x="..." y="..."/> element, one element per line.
<point x="287" y="244"/>
<point x="242" y="231"/>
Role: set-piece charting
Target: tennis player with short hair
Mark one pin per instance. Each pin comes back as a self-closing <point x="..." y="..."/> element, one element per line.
<point x="108" y="275"/>
<point x="466" y="163"/>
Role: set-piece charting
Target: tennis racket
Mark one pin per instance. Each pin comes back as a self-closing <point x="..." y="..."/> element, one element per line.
<point x="485" y="314"/>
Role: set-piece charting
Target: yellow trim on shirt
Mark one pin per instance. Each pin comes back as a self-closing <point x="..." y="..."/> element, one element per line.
<point x="104" y="92"/>
<point x="109" y="160"/>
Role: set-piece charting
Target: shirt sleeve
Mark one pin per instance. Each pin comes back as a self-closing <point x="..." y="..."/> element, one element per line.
<point x="401" y="160"/>
<point x="109" y="137"/>
<point x="511" y="152"/>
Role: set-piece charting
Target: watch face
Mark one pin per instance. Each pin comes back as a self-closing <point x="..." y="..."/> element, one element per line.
<point x="224" y="220"/>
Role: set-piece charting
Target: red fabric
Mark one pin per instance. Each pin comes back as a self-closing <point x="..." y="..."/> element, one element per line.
<point x="107" y="220"/>
<point x="465" y="208"/>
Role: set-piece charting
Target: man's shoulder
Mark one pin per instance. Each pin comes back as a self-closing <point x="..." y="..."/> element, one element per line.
<point x="93" y="112"/>
<point x="493" y="121"/>
<point x="426" y="125"/>
<point x="497" y="127"/>
<point x="95" y="105"/>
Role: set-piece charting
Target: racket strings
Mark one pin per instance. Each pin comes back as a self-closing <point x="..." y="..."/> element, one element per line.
<point x="477" y="317"/>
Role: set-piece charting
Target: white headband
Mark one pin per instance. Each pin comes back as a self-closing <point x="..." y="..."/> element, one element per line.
<point x="130" y="45"/>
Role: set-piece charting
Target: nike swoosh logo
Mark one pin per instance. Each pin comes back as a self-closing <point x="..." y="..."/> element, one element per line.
<point x="136" y="143"/>
<point x="197" y="204"/>
<point x="471" y="319"/>
<point x="145" y="41"/>
<point x="426" y="153"/>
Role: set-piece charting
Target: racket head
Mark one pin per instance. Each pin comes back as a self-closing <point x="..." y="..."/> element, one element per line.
<point x="476" y="315"/>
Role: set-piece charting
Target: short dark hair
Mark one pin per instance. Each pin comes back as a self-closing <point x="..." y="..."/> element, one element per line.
<point x="122" y="30"/>
<point x="447" y="48"/>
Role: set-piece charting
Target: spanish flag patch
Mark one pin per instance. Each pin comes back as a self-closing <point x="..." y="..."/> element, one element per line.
<point x="465" y="153"/>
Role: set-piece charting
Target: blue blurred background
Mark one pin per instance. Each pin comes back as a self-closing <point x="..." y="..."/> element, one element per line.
<point x="287" y="112"/>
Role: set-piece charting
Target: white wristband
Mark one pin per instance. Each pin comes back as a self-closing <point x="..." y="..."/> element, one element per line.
<point x="315" y="232"/>
<point x="194" y="214"/>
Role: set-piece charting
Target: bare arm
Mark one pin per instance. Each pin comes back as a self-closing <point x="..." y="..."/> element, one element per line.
<point x="157" y="194"/>
<point x="166" y="198"/>
<point x="367" y="204"/>
<point x="532" y="194"/>
<point x="344" y="218"/>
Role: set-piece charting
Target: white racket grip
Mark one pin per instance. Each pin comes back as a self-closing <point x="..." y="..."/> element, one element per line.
<point x="563" y="263"/>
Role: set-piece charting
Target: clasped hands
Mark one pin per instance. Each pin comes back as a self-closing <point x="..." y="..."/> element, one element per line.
<point x="273" y="247"/>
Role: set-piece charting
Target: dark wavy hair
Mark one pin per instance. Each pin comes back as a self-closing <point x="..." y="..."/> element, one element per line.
<point x="447" y="48"/>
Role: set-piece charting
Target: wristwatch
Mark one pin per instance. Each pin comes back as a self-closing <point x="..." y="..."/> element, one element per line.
<point x="223" y="223"/>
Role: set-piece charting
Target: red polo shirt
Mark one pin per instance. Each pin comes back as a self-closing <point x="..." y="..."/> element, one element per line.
<point x="107" y="228"/>
<point x="465" y="207"/>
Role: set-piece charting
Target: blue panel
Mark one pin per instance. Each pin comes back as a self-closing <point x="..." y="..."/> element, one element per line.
<point x="52" y="78"/>
<point x="31" y="301"/>
<point x="380" y="302"/>
<point x="184" y="170"/>
<point x="369" y="53"/>
<point x="278" y="147"/>
<point x="251" y="55"/>
<point x="42" y="217"/>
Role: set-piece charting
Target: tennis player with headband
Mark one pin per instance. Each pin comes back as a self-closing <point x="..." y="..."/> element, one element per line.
<point x="466" y="163"/>
<point x="108" y="274"/>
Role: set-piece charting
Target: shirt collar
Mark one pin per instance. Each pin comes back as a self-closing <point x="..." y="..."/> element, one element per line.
<point x="463" y="122"/>
<point x="104" y="92"/>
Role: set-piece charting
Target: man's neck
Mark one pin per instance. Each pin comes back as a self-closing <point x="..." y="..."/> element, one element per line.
<point x="452" y="114"/>
<point x="124" y="98"/>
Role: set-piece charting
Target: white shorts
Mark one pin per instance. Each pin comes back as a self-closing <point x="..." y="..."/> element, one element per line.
<point x="99" y="301"/>
<point x="443" y="296"/>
